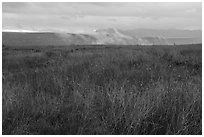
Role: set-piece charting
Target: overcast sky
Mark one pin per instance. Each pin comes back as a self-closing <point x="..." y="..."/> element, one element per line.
<point x="83" y="17"/>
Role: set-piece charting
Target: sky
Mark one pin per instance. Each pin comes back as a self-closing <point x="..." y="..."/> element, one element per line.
<point x="85" y="17"/>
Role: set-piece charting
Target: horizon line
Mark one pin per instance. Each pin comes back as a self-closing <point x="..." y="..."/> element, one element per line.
<point x="39" y="31"/>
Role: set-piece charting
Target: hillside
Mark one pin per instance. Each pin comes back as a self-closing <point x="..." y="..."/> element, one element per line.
<point x="170" y="36"/>
<point x="103" y="36"/>
<point x="42" y="39"/>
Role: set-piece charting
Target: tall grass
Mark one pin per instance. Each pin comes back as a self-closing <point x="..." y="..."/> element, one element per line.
<point x="130" y="90"/>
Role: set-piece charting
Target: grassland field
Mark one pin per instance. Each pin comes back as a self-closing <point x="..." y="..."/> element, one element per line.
<point x="102" y="89"/>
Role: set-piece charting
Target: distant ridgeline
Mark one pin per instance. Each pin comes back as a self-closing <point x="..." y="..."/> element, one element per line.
<point x="104" y="37"/>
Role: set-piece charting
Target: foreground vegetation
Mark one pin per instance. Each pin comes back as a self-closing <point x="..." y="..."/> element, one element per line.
<point x="102" y="90"/>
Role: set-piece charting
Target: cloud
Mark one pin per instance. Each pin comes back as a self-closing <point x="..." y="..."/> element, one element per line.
<point x="73" y="16"/>
<point x="111" y="19"/>
<point x="13" y="6"/>
<point x="107" y="4"/>
<point x="193" y="10"/>
<point x="104" y="8"/>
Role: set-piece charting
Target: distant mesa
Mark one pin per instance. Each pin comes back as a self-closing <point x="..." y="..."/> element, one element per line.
<point x="111" y="36"/>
